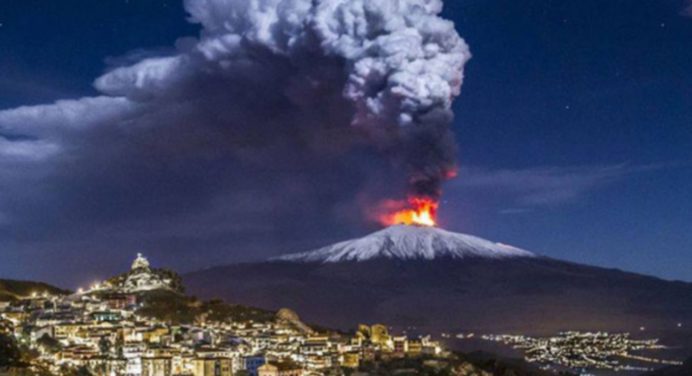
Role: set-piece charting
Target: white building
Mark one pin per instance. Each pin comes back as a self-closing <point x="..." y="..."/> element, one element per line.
<point x="142" y="278"/>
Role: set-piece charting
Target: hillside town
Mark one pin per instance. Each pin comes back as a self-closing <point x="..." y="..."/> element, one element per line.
<point x="140" y="323"/>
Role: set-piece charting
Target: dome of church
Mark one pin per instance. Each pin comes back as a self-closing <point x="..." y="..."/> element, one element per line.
<point x="140" y="262"/>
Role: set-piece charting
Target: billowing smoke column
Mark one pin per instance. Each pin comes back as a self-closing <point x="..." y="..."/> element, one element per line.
<point x="279" y="109"/>
<point x="396" y="62"/>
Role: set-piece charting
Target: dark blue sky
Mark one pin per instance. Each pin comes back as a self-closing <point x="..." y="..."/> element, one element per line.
<point x="584" y="83"/>
<point x="574" y="127"/>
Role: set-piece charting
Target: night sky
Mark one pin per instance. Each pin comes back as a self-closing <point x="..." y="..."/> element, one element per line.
<point x="574" y="128"/>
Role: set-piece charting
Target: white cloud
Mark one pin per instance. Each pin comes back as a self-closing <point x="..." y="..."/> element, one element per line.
<point x="147" y="77"/>
<point x="26" y="150"/>
<point x="64" y="115"/>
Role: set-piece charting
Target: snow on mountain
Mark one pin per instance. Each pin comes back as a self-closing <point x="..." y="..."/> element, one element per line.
<point x="406" y="242"/>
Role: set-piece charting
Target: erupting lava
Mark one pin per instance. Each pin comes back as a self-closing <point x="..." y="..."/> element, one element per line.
<point x="422" y="211"/>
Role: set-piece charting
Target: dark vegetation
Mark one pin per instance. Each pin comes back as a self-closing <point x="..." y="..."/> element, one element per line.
<point x="49" y="344"/>
<point x="10" y="353"/>
<point x="177" y="309"/>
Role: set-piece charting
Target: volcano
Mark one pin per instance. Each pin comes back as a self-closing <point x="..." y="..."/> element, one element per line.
<point x="432" y="279"/>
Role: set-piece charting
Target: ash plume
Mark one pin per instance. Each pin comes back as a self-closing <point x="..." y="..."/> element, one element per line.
<point x="280" y="101"/>
<point x="397" y="65"/>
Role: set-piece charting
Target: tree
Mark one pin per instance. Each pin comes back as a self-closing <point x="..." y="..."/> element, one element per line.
<point x="119" y="343"/>
<point x="10" y="355"/>
<point x="70" y="371"/>
<point x="5" y="326"/>
<point x="49" y="344"/>
<point x="105" y="346"/>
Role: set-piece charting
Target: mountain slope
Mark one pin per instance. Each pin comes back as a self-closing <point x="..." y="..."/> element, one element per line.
<point x="459" y="286"/>
<point x="12" y="290"/>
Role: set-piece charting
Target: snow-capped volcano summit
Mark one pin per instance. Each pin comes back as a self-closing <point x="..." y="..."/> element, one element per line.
<point x="406" y="242"/>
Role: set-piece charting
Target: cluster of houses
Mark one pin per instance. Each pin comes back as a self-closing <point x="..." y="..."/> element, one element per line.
<point x="102" y="330"/>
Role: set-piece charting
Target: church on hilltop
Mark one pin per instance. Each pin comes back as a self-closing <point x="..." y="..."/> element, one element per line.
<point x="141" y="277"/>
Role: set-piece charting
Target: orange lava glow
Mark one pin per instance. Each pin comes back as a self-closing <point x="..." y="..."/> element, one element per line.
<point x="421" y="212"/>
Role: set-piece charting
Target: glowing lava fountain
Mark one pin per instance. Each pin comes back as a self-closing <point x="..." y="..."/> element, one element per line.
<point x="421" y="211"/>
